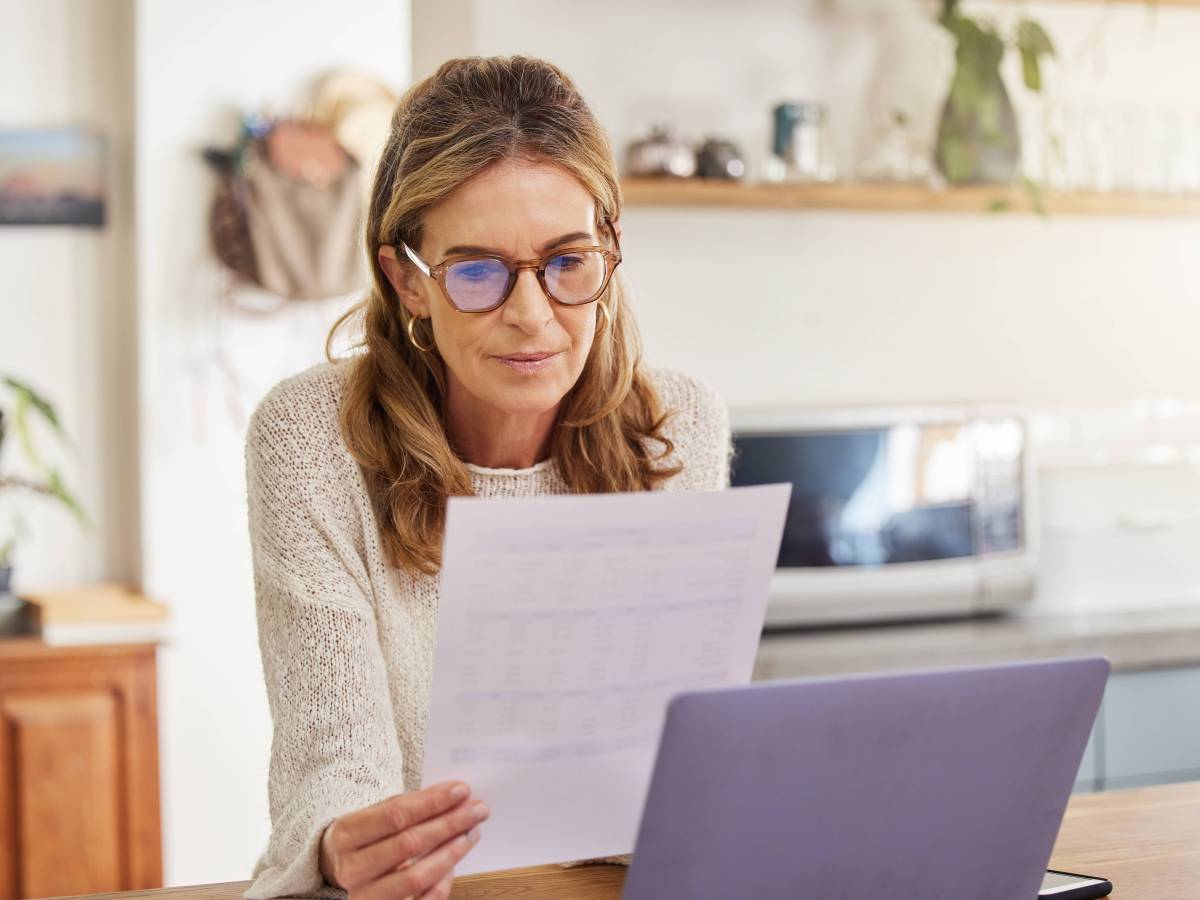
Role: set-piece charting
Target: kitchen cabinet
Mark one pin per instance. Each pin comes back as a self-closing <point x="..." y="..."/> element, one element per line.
<point x="1085" y="780"/>
<point x="1147" y="730"/>
<point x="1150" y="728"/>
<point x="79" y="786"/>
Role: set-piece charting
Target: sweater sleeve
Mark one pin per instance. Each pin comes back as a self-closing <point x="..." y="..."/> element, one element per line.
<point x="334" y="747"/>
<point x="699" y="429"/>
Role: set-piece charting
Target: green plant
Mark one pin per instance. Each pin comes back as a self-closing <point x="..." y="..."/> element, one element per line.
<point x="17" y="530"/>
<point x="978" y="118"/>
<point x="27" y="405"/>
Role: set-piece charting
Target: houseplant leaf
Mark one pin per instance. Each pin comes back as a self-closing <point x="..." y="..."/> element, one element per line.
<point x="1034" y="43"/>
<point x="37" y="403"/>
<point x="24" y="432"/>
<point x="1033" y="37"/>
<point x="27" y="404"/>
<point x="1034" y="190"/>
<point x="59" y="490"/>
<point x="1031" y="70"/>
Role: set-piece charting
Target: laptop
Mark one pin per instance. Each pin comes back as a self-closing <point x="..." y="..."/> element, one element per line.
<point x="945" y="783"/>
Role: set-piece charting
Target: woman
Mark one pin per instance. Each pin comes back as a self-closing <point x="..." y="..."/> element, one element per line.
<point x="499" y="359"/>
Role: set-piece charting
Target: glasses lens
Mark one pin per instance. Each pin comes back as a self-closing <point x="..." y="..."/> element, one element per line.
<point x="476" y="284"/>
<point x="575" y="276"/>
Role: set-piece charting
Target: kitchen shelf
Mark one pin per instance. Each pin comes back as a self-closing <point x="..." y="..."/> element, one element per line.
<point x="1194" y="4"/>
<point x="866" y="197"/>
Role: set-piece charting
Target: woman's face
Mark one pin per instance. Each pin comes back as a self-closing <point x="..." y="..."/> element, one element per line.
<point x="521" y="210"/>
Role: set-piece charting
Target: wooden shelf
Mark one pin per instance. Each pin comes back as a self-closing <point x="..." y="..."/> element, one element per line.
<point x="1194" y="4"/>
<point x="865" y="197"/>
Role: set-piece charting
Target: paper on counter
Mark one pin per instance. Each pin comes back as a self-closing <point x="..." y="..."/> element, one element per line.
<point x="566" y="623"/>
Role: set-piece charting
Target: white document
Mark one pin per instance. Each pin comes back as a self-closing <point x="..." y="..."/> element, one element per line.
<point x="566" y="623"/>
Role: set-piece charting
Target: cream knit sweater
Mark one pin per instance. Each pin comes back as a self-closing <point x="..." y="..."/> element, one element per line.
<point x="346" y="639"/>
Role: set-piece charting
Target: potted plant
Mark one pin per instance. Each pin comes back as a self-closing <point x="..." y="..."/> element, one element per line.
<point x="978" y="141"/>
<point x="22" y="408"/>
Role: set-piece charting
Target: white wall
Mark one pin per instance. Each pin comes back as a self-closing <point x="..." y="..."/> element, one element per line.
<point x="824" y="308"/>
<point x="203" y="369"/>
<point x="67" y="315"/>
<point x="882" y="309"/>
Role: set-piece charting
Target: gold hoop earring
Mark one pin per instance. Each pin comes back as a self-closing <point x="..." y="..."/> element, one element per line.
<point x="412" y="321"/>
<point x="607" y="317"/>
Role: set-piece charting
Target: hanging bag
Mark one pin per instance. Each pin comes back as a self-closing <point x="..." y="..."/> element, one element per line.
<point x="287" y="212"/>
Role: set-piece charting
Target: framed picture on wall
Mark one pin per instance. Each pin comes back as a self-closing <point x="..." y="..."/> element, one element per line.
<point x="52" y="177"/>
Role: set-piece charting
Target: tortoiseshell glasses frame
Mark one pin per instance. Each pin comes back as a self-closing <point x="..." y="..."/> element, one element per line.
<point x="612" y="258"/>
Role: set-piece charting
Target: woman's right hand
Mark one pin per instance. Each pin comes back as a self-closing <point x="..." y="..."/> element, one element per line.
<point x="404" y="846"/>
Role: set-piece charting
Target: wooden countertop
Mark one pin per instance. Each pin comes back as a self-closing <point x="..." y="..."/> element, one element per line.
<point x="1147" y="841"/>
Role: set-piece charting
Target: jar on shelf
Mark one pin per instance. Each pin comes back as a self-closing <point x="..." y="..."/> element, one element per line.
<point x="720" y="159"/>
<point x="660" y="155"/>
<point x="800" y="144"/>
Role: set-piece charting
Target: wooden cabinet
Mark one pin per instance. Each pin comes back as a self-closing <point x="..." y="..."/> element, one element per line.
<point x="79" y="789"/>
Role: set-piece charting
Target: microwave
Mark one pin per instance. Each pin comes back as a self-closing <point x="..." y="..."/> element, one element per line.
<point x="896" y="513"/>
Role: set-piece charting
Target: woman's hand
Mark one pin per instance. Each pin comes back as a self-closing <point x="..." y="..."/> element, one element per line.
<point x="404" y="846"/>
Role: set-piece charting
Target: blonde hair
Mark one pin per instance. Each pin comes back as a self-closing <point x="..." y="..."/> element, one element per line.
<point x="447" y="128"/>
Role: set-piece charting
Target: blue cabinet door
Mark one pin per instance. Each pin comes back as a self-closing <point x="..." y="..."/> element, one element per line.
<point x="1150" y="726"/>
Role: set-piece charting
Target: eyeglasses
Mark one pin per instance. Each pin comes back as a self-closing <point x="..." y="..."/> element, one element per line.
<point x="478" y="283"/>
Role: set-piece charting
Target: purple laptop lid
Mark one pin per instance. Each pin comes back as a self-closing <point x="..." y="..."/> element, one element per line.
<point x="935" y="784"/>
